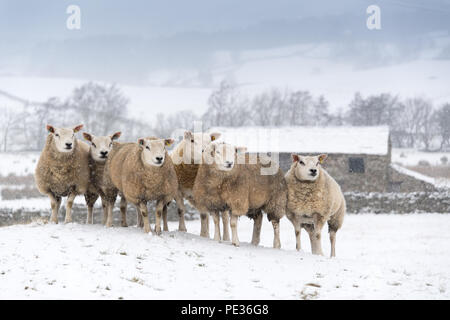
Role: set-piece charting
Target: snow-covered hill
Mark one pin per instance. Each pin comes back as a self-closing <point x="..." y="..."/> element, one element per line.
<point x="299" y="67"/>
<point x="379" y="257"/>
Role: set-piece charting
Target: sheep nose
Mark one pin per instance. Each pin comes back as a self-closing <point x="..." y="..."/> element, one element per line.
<point x="68" y="145"/>
<point x="229" y="163"/>
<point x="104" y="153"/>
<point x="159" y="159"/>
<point x="313" y="171"/>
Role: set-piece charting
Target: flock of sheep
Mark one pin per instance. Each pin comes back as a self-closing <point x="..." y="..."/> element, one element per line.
<point x="217" y="178"/>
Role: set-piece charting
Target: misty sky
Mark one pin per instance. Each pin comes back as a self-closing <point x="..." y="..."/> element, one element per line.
<point x="126" y="40"/>
<point x="44" y="19"/>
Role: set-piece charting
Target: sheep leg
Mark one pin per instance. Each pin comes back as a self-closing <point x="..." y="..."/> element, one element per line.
<point x="181" y="211"/>
<point x="204" y="229"/>
<point x="90" y="201"/>
<point x="140" y="222"/>
<point x="55" y="207"/>
<point x="144" y="212"/>
<point x="158" y="211"/>
<point x="69" y="205"/>
<point x="105" y="209"/>
<point x="257" y="223"/>
<point x="298" y="230"/>
<point x="276" y="233"/>
<point x="123" y="211"/>
<point x="298" y="233"/>
<point x="234" y="235"/>
<point x="316" y="241"/>
<point x="226" y="225"/>
<point x="164" y="216"/>
<point x="109" y="218"/>
<point x="333" y="243"/>
<point x="216" y="217"/>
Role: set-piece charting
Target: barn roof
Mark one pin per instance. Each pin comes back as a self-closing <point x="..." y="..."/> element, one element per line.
<point x="342" y="139"/>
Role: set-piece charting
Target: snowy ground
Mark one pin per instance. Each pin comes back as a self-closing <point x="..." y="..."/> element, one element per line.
<point x="379" y="257"/>
<point x="411" y="157"/>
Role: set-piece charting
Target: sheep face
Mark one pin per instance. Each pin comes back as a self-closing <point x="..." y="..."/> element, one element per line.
<point x="64" y="138"/>
<point x="195" y="143"/>
<point x="154" y="150"/>
<point x="223" y="155"/>
<point x="308" y="167"/>
<point x="101" y="146"/>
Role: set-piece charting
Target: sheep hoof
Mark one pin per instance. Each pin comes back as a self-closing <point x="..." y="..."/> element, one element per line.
<point x="125" y="225"/>
<point x="158" y="232"/>
<point x="183" y="229"/>
<point x="236" y="244"/>
<point x="68" y="221"/>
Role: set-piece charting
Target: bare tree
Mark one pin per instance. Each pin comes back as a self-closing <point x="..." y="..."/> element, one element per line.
<point x="226" y="107"/>
<point x="100" y="106"/>
<point x="443" y="125"/>
<point x="8" y="122"/>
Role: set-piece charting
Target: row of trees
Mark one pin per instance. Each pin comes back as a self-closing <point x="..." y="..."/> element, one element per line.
<point x="414" y="122"/>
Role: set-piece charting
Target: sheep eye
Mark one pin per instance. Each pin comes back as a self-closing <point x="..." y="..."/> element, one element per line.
<point x="110" y="144"/>
<point x="57" y="135"/>
<point x="192" y="140"/>
<point x="93" y="144"/>
<point x="147" y="147"/>
<point x="301" y="162"/>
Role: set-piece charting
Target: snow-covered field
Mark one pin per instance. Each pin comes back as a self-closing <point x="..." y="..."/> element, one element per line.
<point x="378" y="257"/>
<point x="299" y="67"/>
<point x="411" y="157"/>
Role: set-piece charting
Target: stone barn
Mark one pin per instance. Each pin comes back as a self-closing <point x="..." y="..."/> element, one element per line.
<point x="359" y="158"/>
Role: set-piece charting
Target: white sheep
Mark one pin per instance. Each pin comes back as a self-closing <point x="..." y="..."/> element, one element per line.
<point x="63" y="169"/>
<point x="314" y="198"/>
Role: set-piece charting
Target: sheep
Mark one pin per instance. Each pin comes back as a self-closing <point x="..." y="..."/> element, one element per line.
<point x="186" y="157"/>
<point x="110" y="191"/>
<point x="63" y="169"/>
<point x="98" y="153"/>
<point x="314" y="198"/>
<point x="228" y="181"/>
<point x="143" y="172"/>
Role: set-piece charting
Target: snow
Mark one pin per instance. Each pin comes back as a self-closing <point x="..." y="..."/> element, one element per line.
<point x="309" y="67"/>
<point x="378" y="257"/>
<point x="18" y="163"/>
<point x="351" y="140"/>
<point x="145" y="101"/>
<point x="411" y="157"/>
<point x="414" y="174"/>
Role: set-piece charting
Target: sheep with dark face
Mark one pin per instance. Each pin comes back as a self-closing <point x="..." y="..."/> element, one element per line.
<point x="63" y="169"/>
<point x="143" y="172"/>
<point x="227" y="180"/>
<point x="98" y="154"/>
<point x="314" y="198"/>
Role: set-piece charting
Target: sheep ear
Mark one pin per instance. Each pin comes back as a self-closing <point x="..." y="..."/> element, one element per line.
<point x="50" y="129"/>
<point x="87" y="136"/>
<point x="168" y="142"/>
<point x="322" y="158"/>
<point x="77" y="128"/>
<point x="116" y="135"/>
<point x="295" y="158"/>
<point x="241" y="149"/>
<point x="215" y="136"/>
<point x="188" y="135"/>
<point x="141" y="141"/>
